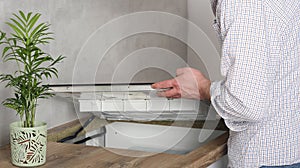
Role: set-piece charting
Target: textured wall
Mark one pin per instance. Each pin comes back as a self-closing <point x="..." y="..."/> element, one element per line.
<point x="73" y="22"/>
<point x="203" y="52"/>
<point x="204" y="39"/>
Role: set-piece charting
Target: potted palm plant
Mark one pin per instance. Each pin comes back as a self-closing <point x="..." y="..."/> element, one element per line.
<point x="28" y="137"/>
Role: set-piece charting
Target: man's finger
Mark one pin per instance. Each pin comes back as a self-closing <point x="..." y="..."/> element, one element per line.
<point x="170" y="93"/>
<point x="164" y="84"/>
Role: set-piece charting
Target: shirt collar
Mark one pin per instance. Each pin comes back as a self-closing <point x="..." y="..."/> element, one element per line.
<point x="214" y="6"/>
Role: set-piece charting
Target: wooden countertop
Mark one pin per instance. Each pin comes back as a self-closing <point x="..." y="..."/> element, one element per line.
<point x="63" y="155"/>
<point x="60" y="155"/>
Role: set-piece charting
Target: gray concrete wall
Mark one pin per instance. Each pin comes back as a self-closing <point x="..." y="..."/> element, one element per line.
<point x="204" y="48"/>
<point x="203" y="39"/>
<point x="73" y="22"/>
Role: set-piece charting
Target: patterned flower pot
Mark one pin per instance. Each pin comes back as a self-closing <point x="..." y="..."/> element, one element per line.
<point x="28" y="145"/>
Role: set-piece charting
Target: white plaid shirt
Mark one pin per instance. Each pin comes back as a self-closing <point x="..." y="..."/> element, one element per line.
<point x="259" y="97"/>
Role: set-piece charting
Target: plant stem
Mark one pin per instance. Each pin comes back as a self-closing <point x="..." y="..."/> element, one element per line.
<point x="27" y="123"/>
<point x="33" y="113"/>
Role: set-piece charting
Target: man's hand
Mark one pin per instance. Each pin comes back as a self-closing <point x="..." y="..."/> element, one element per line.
<point x="188" y="83"/>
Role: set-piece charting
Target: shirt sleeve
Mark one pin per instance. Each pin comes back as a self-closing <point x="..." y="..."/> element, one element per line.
<point x="243" y="96"/>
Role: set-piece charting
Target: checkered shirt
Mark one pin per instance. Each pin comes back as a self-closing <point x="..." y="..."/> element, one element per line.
<point x="259" y="97"/>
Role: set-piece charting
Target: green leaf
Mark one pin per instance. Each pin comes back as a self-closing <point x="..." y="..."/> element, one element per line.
<point x="33" y="33"/>
<point x="23" y="15"/>
<point x="28" y="16"/>
<point x="16" y="29"/>
<point x="19" y="25"/>
<point x="15" y="38"/>
<point x="20" y="19"/>
<point x="2" y="36"/>
<point x="46" y="39"/>
<point x="5" y="50"/>
<point x="32" y="21"/>
<point x="13" y="59"/>
<point x="59" y="59"/>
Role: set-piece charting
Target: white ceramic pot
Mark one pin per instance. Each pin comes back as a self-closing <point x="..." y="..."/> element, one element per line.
<point x="28" y="145"/>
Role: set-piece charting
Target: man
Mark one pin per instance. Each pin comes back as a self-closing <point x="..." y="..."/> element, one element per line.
<point x="259" y="97"/>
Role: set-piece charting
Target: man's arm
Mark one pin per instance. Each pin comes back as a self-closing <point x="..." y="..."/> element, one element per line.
<point x="244" y="95"/>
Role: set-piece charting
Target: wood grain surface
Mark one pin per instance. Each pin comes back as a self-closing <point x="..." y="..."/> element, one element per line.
<point x="60" y="155"/>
